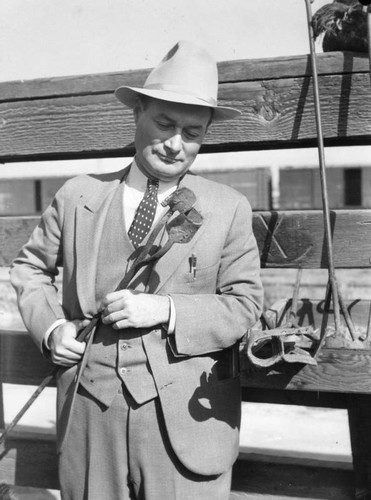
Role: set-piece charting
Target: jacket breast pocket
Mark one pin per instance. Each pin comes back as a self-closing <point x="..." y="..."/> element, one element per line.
<point x="202" y="276"/>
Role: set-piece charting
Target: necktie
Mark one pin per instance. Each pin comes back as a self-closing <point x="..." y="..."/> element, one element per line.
<point x="145" y="214"/>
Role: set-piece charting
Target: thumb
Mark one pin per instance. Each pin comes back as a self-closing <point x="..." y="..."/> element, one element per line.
<point x="80" y="324"/>
<point x="83" y="323"/>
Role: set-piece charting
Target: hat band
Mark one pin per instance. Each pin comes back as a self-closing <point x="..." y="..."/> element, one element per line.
<point x="176" y="89"/>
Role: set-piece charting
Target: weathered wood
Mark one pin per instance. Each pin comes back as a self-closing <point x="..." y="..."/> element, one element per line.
<point x="254" y="480"/>
<point x="14" y="233"/>
<point x="344" y="365"/>
<point x="360" y="434"/>
<point x="27" y="493"/>
<point x="68" y="120"/>
<point x="229" y="71"/>
<point x="320" y="399"/>
<point x="286" y="239"/>
<point x="296" y="238"/>
<point x="338" y="370"/>
<point x="20" y="360"/>
<point x="29" y="463"/>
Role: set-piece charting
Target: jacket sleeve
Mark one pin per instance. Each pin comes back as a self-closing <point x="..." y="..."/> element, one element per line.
<point x="209" y="322"/>
<point x="34" y="270"/>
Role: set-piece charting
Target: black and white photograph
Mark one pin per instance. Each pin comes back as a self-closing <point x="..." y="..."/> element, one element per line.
<point x="185" y="250"/>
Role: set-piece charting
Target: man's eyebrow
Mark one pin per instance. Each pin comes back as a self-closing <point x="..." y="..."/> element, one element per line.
<point x="164" y="116"/>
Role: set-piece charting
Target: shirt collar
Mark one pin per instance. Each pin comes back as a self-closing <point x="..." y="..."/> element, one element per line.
<point x="138" y="181"/>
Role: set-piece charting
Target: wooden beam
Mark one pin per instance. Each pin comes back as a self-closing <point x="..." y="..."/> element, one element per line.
<point x="288" y="239"/>
<point x="344" y="364"/>
<point x="338" y="370"/>
<point x="360" y="435"/>
<point x="31" y="463"/>
<point x="14" y="233"/>
<point x="78" y="117"/>
<point x="20" y="360"/>
<point x="229" y="71"/>
<point x="296" y="238"/>
<point x="269" y="481"/>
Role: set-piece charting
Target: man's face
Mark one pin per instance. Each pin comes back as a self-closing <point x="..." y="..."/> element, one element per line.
<point x="168" y="137"/>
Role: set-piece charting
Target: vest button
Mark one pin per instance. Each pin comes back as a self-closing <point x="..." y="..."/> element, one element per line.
<point x="123" y="371"/>
<point x="124" y="347"/>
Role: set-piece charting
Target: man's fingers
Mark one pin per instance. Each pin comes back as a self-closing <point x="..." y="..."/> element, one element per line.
<point x="66" y="357"/>
<point x="80" y="324"/>
<point x="112" y="317"/>
<point x="112" y="297"/>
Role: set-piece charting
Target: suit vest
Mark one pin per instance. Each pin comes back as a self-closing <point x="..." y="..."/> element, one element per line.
<point x="117" y="357"/>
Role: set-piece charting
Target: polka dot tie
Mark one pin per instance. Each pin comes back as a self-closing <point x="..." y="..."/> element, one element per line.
<point x="145" y="214"/>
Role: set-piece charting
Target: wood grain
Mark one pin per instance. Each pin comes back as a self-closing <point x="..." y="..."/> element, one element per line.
<point x="229" y="71"/>
<point x="20" y="360"/>
<point x="338" y="370"/>
<point x="14" y="233"/>
<point x="288" y="239"/>
<point x="79" y="117"/>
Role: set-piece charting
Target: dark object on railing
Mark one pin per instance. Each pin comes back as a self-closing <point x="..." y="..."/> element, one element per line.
<point x="342" y="26"/>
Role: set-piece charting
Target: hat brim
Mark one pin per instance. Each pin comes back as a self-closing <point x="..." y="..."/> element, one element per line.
<point x="128" y="96"/>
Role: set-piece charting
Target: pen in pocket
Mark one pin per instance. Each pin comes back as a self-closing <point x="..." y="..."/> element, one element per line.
<point x="193" y="265"/>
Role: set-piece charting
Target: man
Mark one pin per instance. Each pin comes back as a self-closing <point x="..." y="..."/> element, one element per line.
<point x="149" y="406"/>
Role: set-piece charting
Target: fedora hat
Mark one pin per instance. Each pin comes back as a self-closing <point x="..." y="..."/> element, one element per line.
<point x="186" y="75"/>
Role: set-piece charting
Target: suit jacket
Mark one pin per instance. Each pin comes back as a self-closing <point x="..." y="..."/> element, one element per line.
<point x="200" y="402"/>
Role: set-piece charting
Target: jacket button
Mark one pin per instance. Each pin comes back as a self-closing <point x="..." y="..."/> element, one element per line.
<point x="123" y="371"/>
<point x="124" y="347"/>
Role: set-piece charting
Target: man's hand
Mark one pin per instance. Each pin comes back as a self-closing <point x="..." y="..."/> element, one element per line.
<point x="65" y="350"/>
<point x="129" y="309"/>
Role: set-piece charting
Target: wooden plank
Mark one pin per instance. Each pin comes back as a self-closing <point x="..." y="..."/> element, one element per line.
<point x="290" y="239"/>
<point x="14" y="233"/>
<point x="20" y="360"/>
<point x="30" y="463"/>
<point x="320" y="399"/>
<point x="229" y="71"/>
<point x="262" y="481"/>
<point x="360" y="434"/>
<point x="277" y="112"/>
<point x="296" y="238"/>
<point x="27" y="493"/>
<point x="338" y="370"/>
<point x="344" y="365"/>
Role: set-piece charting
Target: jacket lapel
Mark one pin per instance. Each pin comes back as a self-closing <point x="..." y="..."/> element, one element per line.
<point x="90" y="219"/>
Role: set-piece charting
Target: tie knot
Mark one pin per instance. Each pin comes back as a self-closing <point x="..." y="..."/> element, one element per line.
<point x="152" y="186"/>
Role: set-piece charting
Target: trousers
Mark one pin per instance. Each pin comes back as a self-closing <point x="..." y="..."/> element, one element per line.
<point x="123" y="453"/>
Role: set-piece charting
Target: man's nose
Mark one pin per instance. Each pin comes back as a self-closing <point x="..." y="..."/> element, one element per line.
<point x="174" y="143"/>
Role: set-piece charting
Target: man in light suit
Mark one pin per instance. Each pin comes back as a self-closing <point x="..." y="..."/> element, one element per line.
<point x="149" y="407"/>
